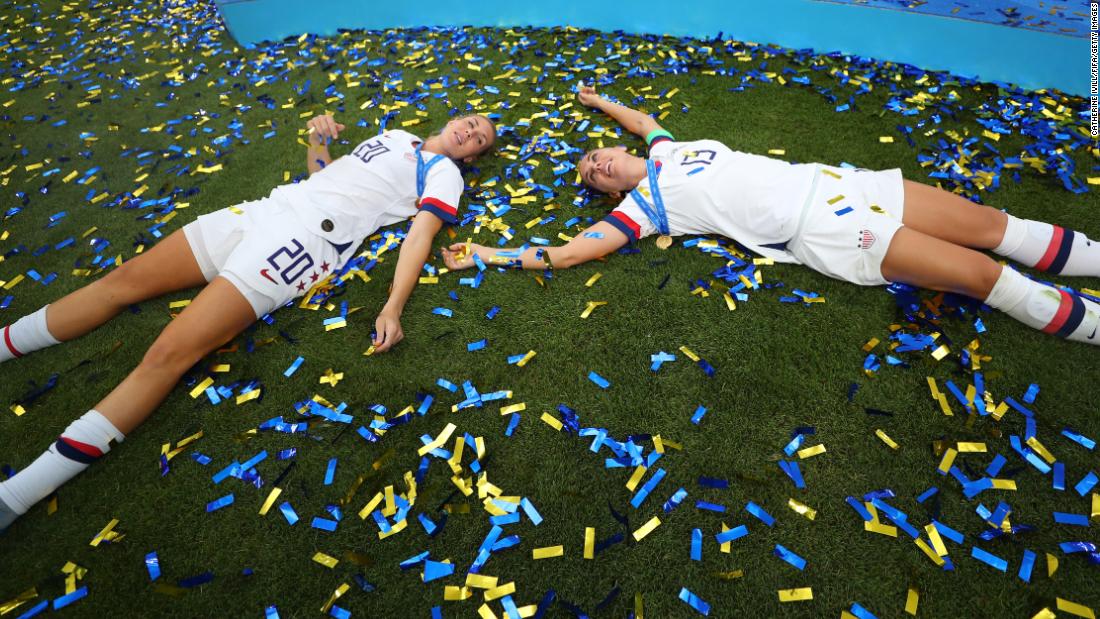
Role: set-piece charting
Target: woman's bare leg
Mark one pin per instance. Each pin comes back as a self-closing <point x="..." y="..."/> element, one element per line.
<point x="166" y="267"/>
<point x="922" y="260"/>
<point x="216" y="315"/>
<point x="952" y="218"/>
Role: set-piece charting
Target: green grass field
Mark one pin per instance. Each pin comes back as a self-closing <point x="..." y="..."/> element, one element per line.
<point x="170" y="80"/>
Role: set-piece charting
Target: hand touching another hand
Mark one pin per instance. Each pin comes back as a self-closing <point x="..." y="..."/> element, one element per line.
<point x="323" y="129"/>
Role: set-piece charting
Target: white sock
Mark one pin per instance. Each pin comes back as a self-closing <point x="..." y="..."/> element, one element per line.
<point x="85" y="440"/>
<point x="26" y="335"/>
<point x="1045" y="308"/>
<point x="1050" y="248"/>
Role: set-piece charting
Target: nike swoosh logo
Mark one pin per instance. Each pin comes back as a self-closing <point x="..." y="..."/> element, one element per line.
<point x="264" y="273"/>
<point x="1093" y="332"/>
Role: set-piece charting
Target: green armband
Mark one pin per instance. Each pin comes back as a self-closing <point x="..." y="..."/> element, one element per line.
<point x="657" y="133"/>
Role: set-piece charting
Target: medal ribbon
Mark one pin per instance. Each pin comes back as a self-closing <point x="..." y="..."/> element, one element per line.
<point x="422" y="170"/>
<point x="655" y="212"/>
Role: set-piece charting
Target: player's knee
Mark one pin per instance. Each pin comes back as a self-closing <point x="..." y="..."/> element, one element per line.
<point x="984" y="276"/>
<point x="124" y="284"/>
<point x="991" y="226"/>
<point x="170" y="356"/>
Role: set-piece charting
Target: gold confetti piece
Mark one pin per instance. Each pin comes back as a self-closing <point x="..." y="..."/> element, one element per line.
<point x="886" y="139"/>
<point x="803" y="509"/>
<point x="1004" y="484"/>
<point x="944" y="406"/>
<point x="881" y="529"/>
<point x="886" y="439"/>
<point x="731" y="305"/>
<point x="646" y="528"/>
<point x="937" y="540"/>
<point x="551" y="421"/>
<point x="948" y="459"/>
<point x="439" y="441"/>
<point x="1095" y="507"/>
<point x="479" y="581"/>
<point x="368" y="352"/>
<point x="1044" y="614"/>
<point x="689" y="354"/>
<point x="796" y="595"/>
<point x="971" y="448"/>
<point x="776" y="151"/>
<point x="179" y="304"/>
<point x="1052" y="565"/>
<point x="397" y="528"/>
<point x="911" y="601"/>
<point x="201" y="387"/>
<point x="1093" y="180"/>
<point x="810" y="452"/>
<point x="733" y="575"/>
<point x="926" y="549"/>
<point x="325" y="560"/>
<point x="485" y="612"/>
<point x="456" y="594"/>
<point x="635" y="477"/>
<point x="593" y="279"/>
<point x="507" y="588"/>
<point x="871" y="343"/>
<point x="941" y="352"/>
<point x="331" y="377"/>
<point x="548" y="552"/>
<point x="835" y="199"/>
<point x="1040" y="449"/>
<point x="591" y="305"/>
<point x="589" y="542"/>
<point x="341" y="590"/>
<point x="247" y="397"/>
<point x="270" y="500"/>
<point x="638" y="606"/>
<point x="1075" y="609"/>
<point x="18" y="601"/>
<point x="18" y="410"/>
<point x="513" y="408"/>
<point x="725" y="546"/>
<point x="108" y="529"/>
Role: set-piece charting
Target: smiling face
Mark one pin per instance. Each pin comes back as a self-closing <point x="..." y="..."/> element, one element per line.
<point x="468" y="137"/>
<point x="610" y="170"/>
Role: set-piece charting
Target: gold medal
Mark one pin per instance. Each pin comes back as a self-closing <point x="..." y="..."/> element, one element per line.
<point x="664" y="241"/>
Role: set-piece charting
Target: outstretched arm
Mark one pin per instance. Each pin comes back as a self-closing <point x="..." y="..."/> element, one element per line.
<point x="632" y="120"/>
<point x="414" y="252"/>
<point x="595" y="242"/>
<point x="322" y="130"/>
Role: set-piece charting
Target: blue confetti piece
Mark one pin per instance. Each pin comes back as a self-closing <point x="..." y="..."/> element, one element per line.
<point x="442" y="311"/>
<point x="991" y="560"/>
<point x="152" y="565"/>
<point x="271" y="612"/>
<point x="927" y="494"/>
<point x="790" y="557"/>
<point x="1077" y="520"/>
<point x="434" y="570"/>
<point x="696" y="544"/>
<point x="65" y="600"/>
<point x="710" y="507"/>
<point x="733" y="534"/>
<point x="217" y="504"/>
<point x="339" y="613"/>
<point x="694" y="601"/>
<point x="861" y="612"/>
<point x="492" y="313"/>
<point x="674" y="501"/>
<point x="288" y="513"/>
<point x="330" y="471"/>
<point x="844" y="211"/>
<point x="644" y="491"/>
<point x="1026" y="566"/>
<point x="1088" y="482"/>
<point x="698" y="415"/>
<point x="714" y="482"/>
<point x="1080" y="439"/>
<point x="478" y="345"/>
<point x="760" y="513"/>
<point x="529" y="509"/>
<point x="600" y="381"/>
<point x="512" y="423"/>
<point x="323" y="524"/>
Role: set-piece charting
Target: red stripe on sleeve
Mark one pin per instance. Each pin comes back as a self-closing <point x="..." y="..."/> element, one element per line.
<point x="1052" y="249"/>
<point x="447" y="208"/>
<point x="630" y="223"/>
<point x="1063" y="312"/>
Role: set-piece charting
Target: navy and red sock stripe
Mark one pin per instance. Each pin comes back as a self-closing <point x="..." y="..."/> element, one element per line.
<point x="1057" y="253"/>
<point x="77" y="451"/>
<point x="1070" y="313"/>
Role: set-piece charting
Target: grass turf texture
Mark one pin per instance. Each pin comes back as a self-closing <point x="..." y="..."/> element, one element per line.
<point x="779" y="365"/>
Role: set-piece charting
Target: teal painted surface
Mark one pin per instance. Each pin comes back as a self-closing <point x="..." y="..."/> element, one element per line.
<point x="990" y="52"/>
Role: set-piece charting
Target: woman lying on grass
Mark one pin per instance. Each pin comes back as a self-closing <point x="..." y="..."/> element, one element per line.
<point x="252" y="259"/>
<point x="861" y="226"/>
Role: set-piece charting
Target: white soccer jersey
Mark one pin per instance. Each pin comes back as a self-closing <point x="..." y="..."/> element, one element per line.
<point x="709" y="189"/>
<point x="374" y="186"/>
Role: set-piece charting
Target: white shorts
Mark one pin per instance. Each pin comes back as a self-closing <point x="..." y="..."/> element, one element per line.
<point x="262" y="251"/>
<point x="848" y="238"/>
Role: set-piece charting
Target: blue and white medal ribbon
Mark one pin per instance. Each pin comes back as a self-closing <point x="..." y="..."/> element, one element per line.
<point x="656" y="211"/>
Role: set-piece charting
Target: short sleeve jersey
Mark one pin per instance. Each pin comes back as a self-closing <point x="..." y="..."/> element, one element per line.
<point x="373" y="186"/>
<point x="709" y="189"/>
